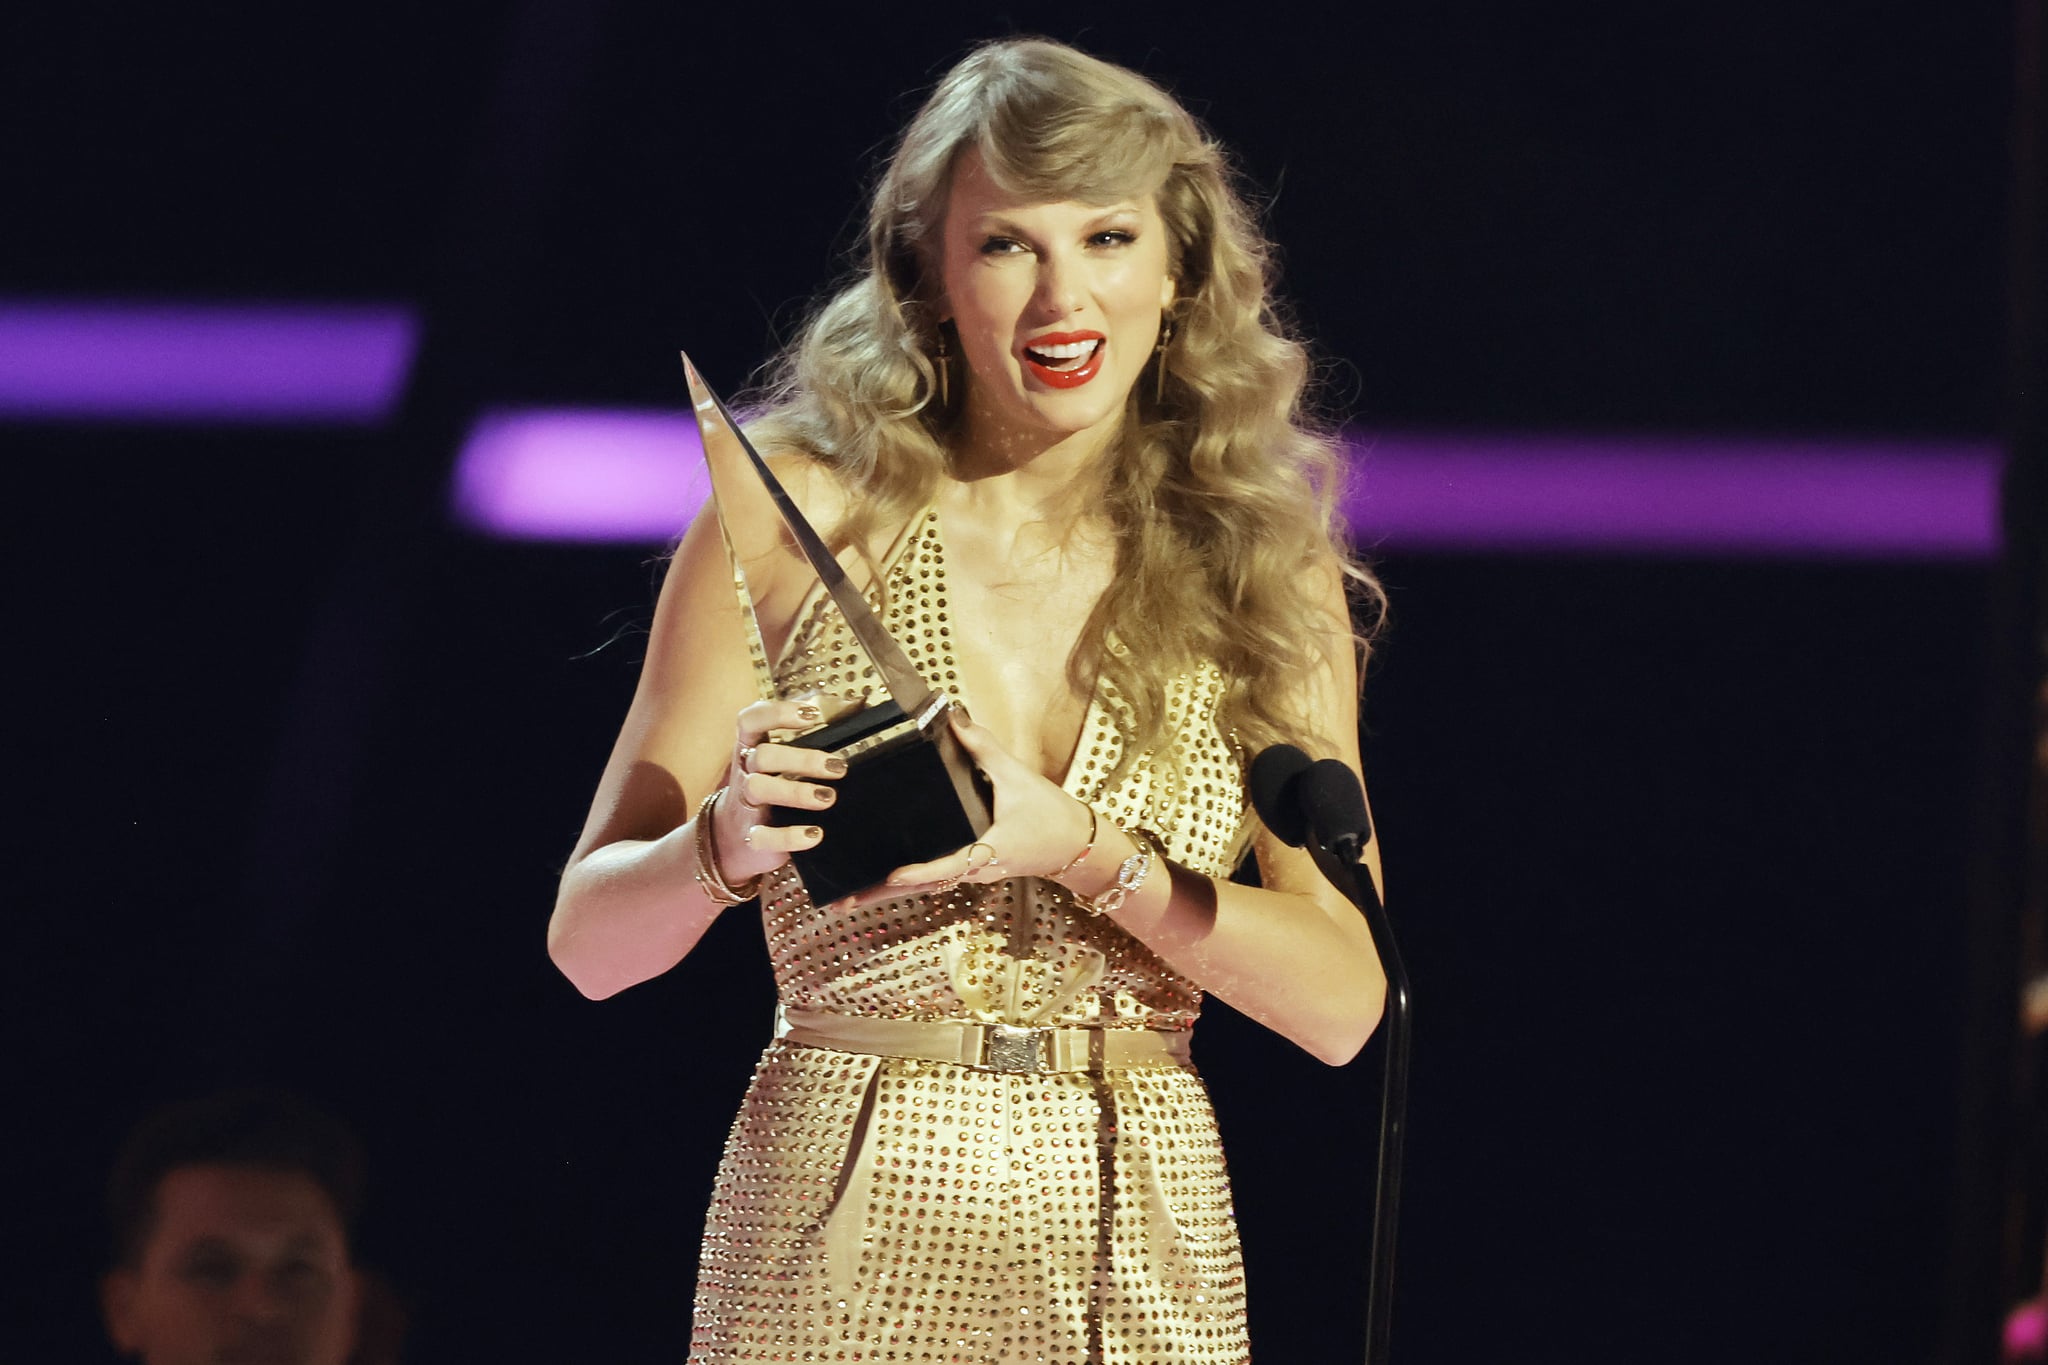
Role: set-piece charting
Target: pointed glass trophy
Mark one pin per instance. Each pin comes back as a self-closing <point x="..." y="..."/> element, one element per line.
<point x="911" y="792"/>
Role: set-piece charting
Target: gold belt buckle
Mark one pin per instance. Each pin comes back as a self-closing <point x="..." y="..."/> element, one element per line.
<point x="1008" y="1048"/>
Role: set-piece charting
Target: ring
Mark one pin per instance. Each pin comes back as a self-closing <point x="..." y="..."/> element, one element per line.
<point x="745" y="757"/>
<point x="974" y="867"/>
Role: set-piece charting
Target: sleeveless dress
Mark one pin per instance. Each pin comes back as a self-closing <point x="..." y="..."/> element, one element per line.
<point x="889" y="1209"/>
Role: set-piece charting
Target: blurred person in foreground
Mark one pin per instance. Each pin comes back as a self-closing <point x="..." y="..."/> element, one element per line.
<point x="232" y="1219"/>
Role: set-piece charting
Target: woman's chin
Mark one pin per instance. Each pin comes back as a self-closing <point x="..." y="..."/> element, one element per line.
<point x="1054" y="416"/>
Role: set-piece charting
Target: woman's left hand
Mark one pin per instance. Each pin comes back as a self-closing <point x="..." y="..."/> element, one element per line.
<point x="1037" y="829"/>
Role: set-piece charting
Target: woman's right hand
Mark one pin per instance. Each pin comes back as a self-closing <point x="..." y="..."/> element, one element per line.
<point x="763" y="774"/>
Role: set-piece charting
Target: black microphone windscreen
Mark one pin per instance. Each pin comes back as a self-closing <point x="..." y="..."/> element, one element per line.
<point x="1335" y="803"/>
<point x="1276" y="792"/>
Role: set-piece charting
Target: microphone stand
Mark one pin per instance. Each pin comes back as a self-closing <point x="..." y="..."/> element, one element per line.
<point x="1340" y="865"/>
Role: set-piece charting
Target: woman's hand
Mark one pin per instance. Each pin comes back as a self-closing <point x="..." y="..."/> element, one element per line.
<point x="761" y="775"/>
<point x="1038" y="827"/>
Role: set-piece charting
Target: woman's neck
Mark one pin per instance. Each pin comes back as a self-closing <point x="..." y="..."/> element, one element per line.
<point x="1031" y="476"/>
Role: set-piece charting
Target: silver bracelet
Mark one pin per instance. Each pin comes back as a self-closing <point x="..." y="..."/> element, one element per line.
<point x="1130" y="875"/>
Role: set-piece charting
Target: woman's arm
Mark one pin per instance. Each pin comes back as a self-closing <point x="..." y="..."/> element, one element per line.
<point x="1293" y="954"/>
<point x="630" y="906"/>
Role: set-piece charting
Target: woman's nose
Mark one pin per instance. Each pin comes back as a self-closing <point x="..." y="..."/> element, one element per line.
<point x="1059" y="286"/>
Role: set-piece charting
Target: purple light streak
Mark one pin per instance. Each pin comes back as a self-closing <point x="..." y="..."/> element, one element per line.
<point x="281" y="363"/>
<point x="591" y="475"/>
<point x="581" y="475"/>
<point x="1718" y="497"/>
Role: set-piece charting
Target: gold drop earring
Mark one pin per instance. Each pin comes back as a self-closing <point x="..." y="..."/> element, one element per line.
<point x="1159" y="355"/>
<point x="942" y="362"/>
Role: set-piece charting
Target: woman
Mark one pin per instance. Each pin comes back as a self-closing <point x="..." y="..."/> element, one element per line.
<point x="1052" y="425"/>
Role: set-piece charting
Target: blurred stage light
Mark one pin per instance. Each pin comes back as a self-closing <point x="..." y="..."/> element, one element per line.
<point x="637" y="477"/>
<point x="204" y="363"/>
<point x="1704" y="495"/>
<point x="581" y="475"/>
<point x="2026" y="1331"/>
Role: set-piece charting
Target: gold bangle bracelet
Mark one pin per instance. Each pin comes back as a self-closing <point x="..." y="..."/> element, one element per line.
<point x="1086" y="849"/>
<point x="709" y="875"/>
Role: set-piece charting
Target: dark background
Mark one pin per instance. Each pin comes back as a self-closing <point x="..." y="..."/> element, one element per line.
<point x="1677" y="847"/>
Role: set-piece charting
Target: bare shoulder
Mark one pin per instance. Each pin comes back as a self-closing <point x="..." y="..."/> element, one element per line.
<point x="813" y="485"/>
<point x="827" y="498"/>
<point x="751" y="517"/>
<point x="1324" y="698"/>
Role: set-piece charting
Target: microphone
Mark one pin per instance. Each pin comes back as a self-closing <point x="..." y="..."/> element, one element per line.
<point x="1300" y="800"/>
<point x="1276" y="785"/>
<point x="1334" y="806"/>
<point x="1321" y="804"/>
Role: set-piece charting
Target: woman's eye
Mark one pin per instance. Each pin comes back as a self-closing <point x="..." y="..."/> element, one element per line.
<point x="1113" y="237"/>
<point x="998" y="246"/>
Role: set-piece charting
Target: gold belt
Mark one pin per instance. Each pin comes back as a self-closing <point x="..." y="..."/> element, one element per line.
<point x="1006" y="1048"/>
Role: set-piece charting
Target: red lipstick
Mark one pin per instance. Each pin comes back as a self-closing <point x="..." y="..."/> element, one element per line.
<point x="1070" y="375"/>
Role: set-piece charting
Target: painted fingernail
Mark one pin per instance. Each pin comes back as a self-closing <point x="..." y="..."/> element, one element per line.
<point x="836" y="766"/>
<point x="825" y="795"/>
<point x="808" y="711"/>
<point x="813" y="832"/>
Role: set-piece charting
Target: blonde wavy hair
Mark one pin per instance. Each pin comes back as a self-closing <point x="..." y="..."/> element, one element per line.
<point x="1221" y="492"/>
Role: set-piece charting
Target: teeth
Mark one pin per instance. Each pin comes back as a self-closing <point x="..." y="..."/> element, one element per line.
<point x="1067" y="350"/>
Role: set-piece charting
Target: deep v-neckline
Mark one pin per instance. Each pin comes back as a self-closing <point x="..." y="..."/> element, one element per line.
<point x="942" y="614"/>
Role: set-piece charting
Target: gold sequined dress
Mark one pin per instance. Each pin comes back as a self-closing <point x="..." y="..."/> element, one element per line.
<point x="888" y="1209"/>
